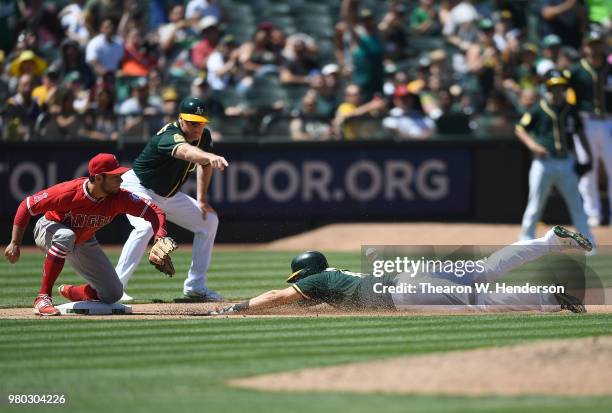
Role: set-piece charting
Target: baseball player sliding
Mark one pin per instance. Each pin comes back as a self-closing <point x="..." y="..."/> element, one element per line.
<point x="73" y="212"/>
<point x="158" y="173"/>
<point x="313" y="282"/>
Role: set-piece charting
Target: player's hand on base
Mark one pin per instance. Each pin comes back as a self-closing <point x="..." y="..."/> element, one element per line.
<point x="12" y="253"/>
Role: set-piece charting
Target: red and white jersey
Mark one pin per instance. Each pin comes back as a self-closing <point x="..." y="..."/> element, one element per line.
<point x="71" y="204"/>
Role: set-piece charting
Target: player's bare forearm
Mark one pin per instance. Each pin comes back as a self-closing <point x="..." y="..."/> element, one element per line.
<point x="193" y="154"/>
<point x="275" y="298"/>
<point x="529" y="142"/>
<point x="204" y="175"/>
<point x="17" y="235"/>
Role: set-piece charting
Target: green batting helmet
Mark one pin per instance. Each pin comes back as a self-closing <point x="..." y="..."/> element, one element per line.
<point x="307" y="263"/>
<point x="193" y="110"/>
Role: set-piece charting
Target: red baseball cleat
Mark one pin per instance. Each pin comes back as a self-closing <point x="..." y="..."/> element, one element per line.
<point x="44" y="306"/>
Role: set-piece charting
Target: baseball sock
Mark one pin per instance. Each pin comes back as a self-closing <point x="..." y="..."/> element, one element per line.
<point x="83" y="292"/>
<point x="54" y="262"/>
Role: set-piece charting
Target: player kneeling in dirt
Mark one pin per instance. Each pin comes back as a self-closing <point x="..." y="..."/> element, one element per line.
<point x="73" y="212"/>
<point x="313" y="281"/>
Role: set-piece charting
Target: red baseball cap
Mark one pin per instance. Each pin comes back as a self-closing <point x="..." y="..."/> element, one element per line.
<point x="105" y="163"/>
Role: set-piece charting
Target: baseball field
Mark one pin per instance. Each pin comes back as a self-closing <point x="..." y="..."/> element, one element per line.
<point x="168" y="358"/>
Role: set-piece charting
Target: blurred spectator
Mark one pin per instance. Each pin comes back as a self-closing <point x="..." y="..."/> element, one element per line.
<point x="96" y="11"/>
<point x="483" y="58"/>
<point x="527" y="99"/>
<point x="4" y="79"/>
<point x="391" y="84"/>
<point x="199" y="88"/>
<point x="26" y="40"/>
<point x="565" y="18"/>
<point x="100" y="121"/>
<point x="170" y="103"/>
<point x="393" y="31"/>
<point x="308" y="124"/>
<point x="41" y="17"/>
<point x="60" y="123"/>
<point x="156" y="82"/>
<point x="138" y="56"/>
<point x="41" y="94"/>
<point x="406" y="120"/>
<point x="551" y="45"/>
<point x="198" y="9"/>
<point x="458" y="18"/>
<point x="222" y="64"/>
<point x="566" y="58"/>
<point x="72" y="59"/>
<point x="352" y="108"/>
<point x="74" y="82"/>
<point x="495" y="119"/>
<point x="72" y="18"/>
<point x="261" y="56"/>
<point x="328" y="97"/>
<point x="366" y="48"/>
<point x="8" y="25"/>
<point x="301" y="67"/>
<point x="20" y="111"/>
<point x="26" y="63"/>
<point x="105" y="51"/>
<point x="424" y="19"/>
<point x="175" y="36"/>
<point x="524" y="75"/>
<point x="209" y="32"/>
<point x="139" y="111"/>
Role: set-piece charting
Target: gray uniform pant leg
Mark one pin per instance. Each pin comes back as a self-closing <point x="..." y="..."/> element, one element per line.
<point x="91" y="263"/>
<point x="48" y="233"/>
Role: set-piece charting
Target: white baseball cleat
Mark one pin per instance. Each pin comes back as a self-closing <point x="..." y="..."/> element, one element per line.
<point x="207" y="295"/>
<point x="126" y="297"/>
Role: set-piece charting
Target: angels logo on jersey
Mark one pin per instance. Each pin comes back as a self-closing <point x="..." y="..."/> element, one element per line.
<point x="85" y="220"/>
<point x="37" y="198"/>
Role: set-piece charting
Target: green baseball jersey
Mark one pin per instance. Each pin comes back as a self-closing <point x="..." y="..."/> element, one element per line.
<point x="589" y="84"/>
<point x="156" y="166"/>
<point x="345" y="289"/>
<point x="552" y="127"/>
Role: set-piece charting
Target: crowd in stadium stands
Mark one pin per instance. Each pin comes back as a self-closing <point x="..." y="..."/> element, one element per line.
<point x="305" y="69"/>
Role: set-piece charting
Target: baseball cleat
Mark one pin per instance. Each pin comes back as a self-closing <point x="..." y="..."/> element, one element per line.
<point x="204" y="296"/>
<point x="572" y="239"/>
<point x="44" y="306"/>
<point x="126" y="297"/>
<point x="571" y="303"/>
<point x="64" y="291"/>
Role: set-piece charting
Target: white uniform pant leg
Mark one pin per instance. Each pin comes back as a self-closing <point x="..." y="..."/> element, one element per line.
<point x="508" y="258"/>
<point x="599" y="135"/>
<point x="91" y="263"/>
<point x="136" y="244"/>
<point x="540" y="184"/>
<point x="184" y="211"/>
<point x="520" y="302"/>
<point x="567" y="184"/>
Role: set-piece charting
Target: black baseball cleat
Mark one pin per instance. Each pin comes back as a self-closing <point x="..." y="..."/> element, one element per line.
<point x="572" y="239"/>
<point x="569" y="302"/>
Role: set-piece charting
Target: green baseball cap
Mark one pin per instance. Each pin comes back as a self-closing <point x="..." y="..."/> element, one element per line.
<point x="552" y="40"/>
<point x="486" y="24"/>
<point x="193" y="110"/>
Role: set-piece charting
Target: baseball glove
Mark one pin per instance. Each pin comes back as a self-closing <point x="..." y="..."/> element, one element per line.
<point x="160" y="255"/>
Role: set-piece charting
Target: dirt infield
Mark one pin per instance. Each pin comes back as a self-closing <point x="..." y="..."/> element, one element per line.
<point x="562" y="368"/>
<point x="198" y="310"/>
<point x="350" y="237"/>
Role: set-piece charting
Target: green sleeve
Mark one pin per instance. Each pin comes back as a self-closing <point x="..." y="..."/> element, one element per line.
<point x="168" y="143"/>
<point x="312" y="286"/>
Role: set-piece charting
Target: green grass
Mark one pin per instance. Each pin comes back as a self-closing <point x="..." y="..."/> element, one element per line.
<point x="182" y="365"/>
